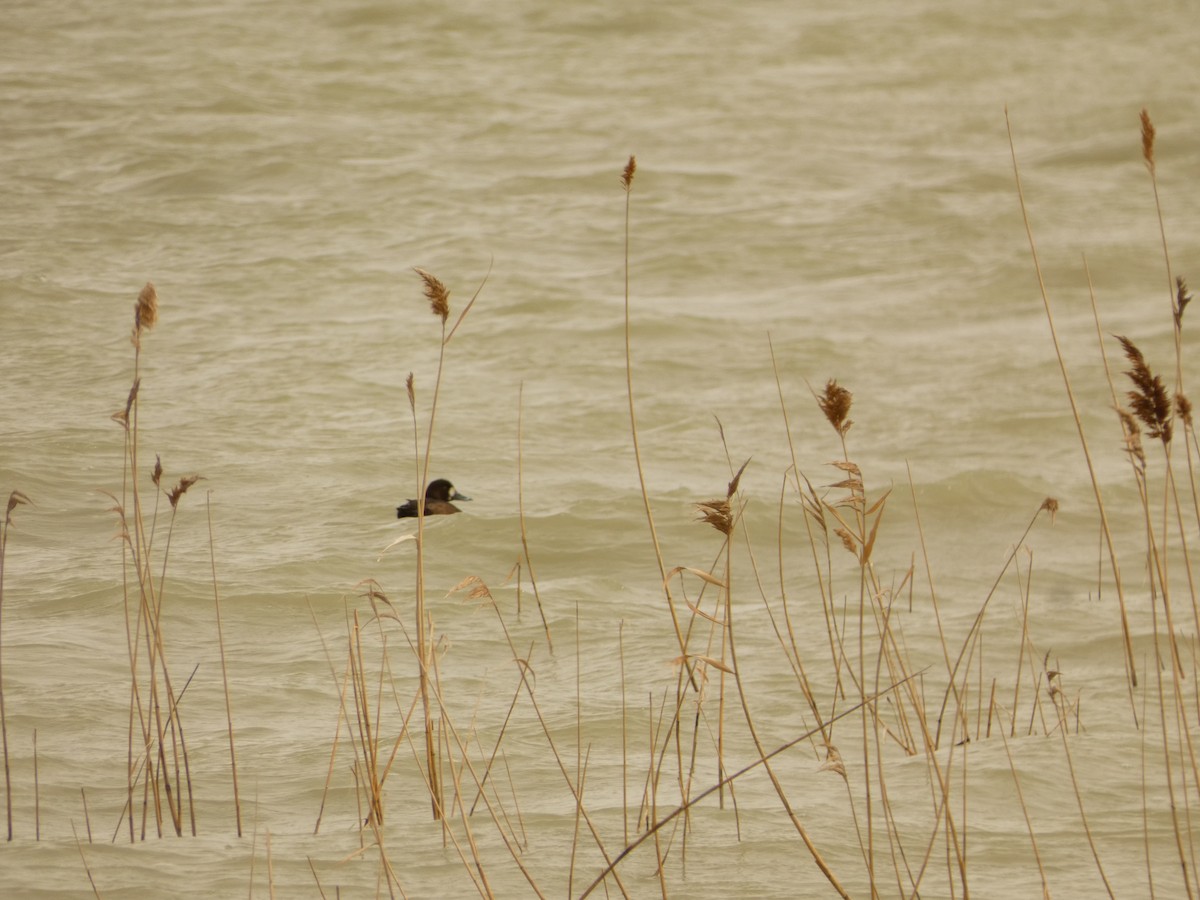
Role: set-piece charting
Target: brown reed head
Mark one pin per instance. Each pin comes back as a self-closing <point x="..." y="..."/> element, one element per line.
<point x="412" y="394"/>
<point x="15" y="499"/>
<point x="145" y="313"/>
<point x="1147" y="140"/>
<point x="718" y="514"/>
<point x="835" y="403"/>
<point x="1183" y="407"/>
<point x="627" y="175"/>
<point x="1050" y="505"/>
<point x="1182" y="299"/>
<point x="1133" y="438"/>
<point x="436" y="293"/>
<point x="156" y="475"/>
<point x="122" y="416"/>
<point x="1149" y="399"/>
<point x="180" y="489"/>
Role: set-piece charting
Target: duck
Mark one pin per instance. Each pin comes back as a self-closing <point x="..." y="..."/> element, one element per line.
<point x="438" y="495"/>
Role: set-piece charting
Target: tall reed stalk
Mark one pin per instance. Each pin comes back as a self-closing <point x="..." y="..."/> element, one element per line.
<point x="15" y="499"/>
<point x="157" y="745"/>
<point x="438" y="296"/>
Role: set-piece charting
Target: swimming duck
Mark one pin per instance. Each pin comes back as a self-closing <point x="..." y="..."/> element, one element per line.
<point x="438" y="495"/>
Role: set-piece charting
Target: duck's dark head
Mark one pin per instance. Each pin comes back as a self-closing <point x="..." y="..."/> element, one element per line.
<point x="441" y="489"/>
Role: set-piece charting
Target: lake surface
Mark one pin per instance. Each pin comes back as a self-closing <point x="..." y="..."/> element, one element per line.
<point x="821" y="193"/>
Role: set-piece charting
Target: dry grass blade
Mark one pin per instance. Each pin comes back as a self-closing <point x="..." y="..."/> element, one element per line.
<point x="699" y="573"/>
<point x="1149" y="401"/>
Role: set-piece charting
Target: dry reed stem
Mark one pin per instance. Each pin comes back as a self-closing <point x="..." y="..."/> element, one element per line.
<point x="1079" y="801"/>
<point x="15" y="499"/>
<point x="237" y="803"/>
<point x="86" y="868"/>
<point x="744" y="701"/>
<point x="658" y="824"/>
<point x="1037" y="856"/>
<point x="438" y="296"/>
<point x="627" y="183"/>
<point x="87" y="819"/>
<point x="521" y="517"/>
<point x="624" y="735"/>
<point x="1112" y="553"/>
<point x="524" y="669"/>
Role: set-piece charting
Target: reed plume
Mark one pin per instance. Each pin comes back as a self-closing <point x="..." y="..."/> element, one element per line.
<point x="15" y="499"/>
<point x="1149" y="400"/>
<point x="717" y="513"/>
<point x="628" y="173"/>
<point x="1183" y="406"/>
<point x="835" y="403"/>
<point x="180" y="489"/>
<point x="1182" y="299"/>
<point x="436" y="293"/>
<point x="1148" y="140"/>
<point x="145" y="313"/>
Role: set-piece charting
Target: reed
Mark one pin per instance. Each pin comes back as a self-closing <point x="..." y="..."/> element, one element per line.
<point x="15" y="499"/>
<point x="155" y="741"/>
<point x="1152" y="411"/>
<point x="438" y="296"/>
<point x="233" y="769"/>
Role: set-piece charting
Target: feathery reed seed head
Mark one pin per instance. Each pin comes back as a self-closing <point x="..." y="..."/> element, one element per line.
<point x="1149" y="400"/>
<point x="833" y="761"/>
<point x="1147" y="139"/>
<point x="1050" y="505"/>
<point x="122" y="416"/>
<point x="1182" y="299"/>
<point x="835" y="403"/>
<point x="1133" y="437"/>
<point x="733" y="482"/>
<point x="718" y="514"/>
<point x="630" y="171"/>
<point x="156" y="475"/>
<point x="436" y="293"/>
<point x="180" y="489"/>
<point x="15" y="499"/>
<point x="145" y="313"/>
<point x="1183" y="406"/>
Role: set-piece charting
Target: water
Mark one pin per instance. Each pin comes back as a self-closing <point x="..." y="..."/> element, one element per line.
<point x="833" y="185"/>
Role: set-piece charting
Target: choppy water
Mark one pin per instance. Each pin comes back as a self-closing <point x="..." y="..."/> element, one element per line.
<point x="834" y="180"/>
